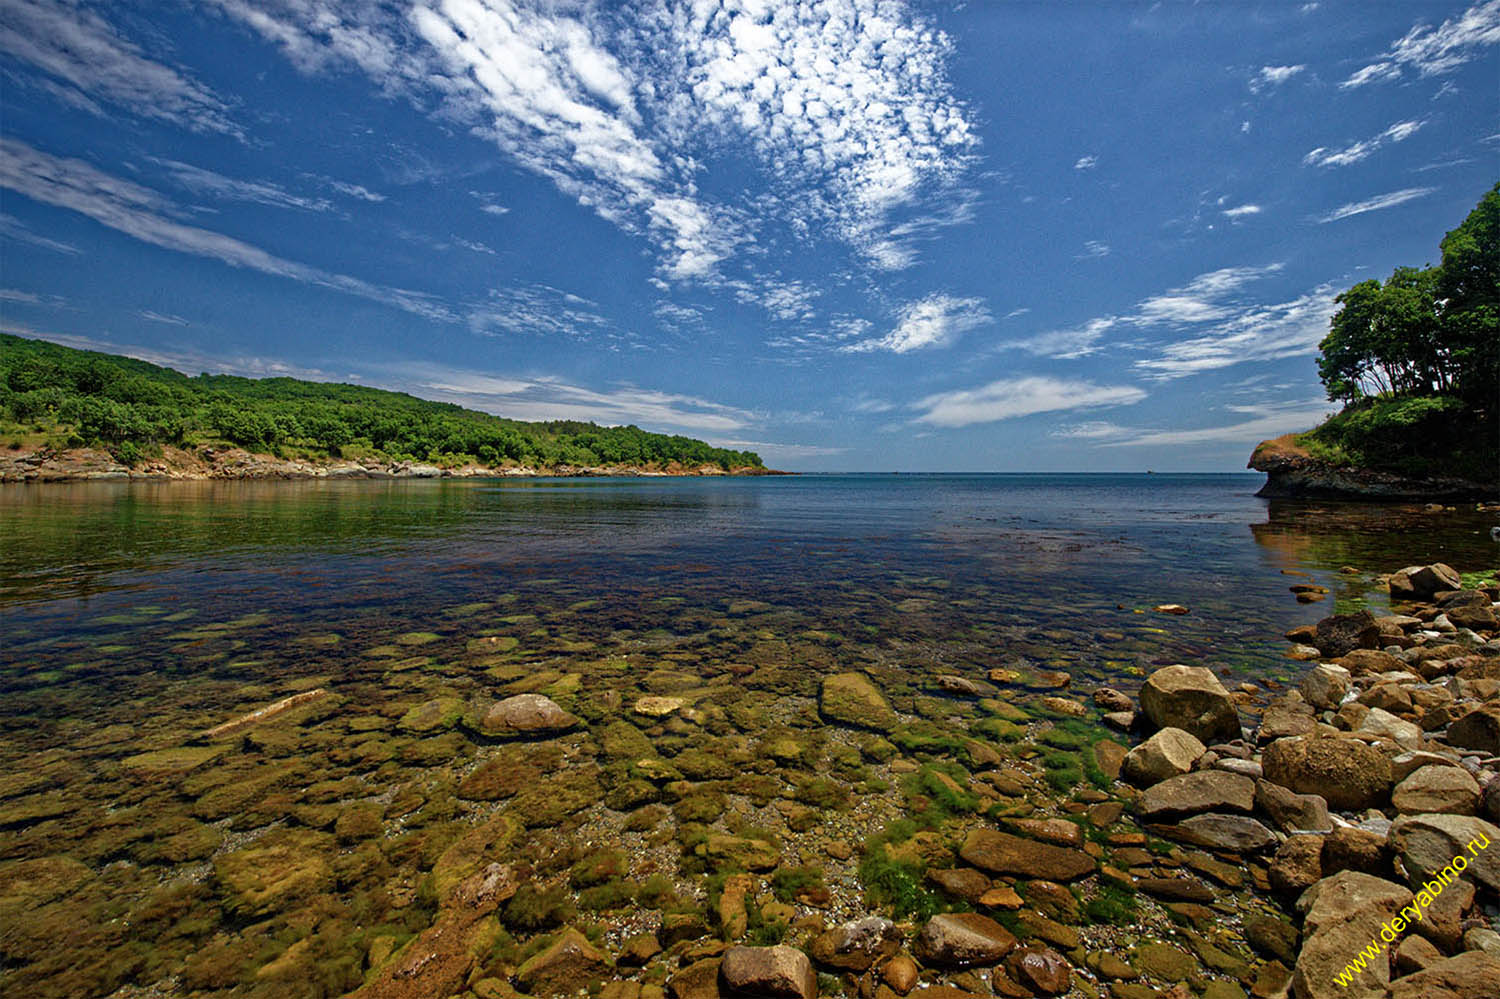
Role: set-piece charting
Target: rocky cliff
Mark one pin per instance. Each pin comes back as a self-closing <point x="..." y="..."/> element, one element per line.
<point x="1293" y="473"/>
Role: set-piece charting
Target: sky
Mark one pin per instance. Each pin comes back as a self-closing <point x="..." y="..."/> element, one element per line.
<point x="852" y="235"/>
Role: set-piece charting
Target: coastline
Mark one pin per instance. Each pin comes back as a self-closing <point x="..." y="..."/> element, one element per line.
<point x="1292" y="473"/>
<point x="231" y="463"/>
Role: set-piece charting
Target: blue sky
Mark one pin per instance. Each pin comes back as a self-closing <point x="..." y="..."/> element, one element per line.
<point x="849" y="234"/>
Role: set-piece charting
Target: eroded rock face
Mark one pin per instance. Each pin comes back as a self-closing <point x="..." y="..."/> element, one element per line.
<point x="1190" y="698"/>
<point x="850" y="698"/>
<point x="964" y="938"/>
<point x="526" y="715"/>
<point x="778" y="972"/>
<point x="1342" y="915"/>
<point x="1168" y="753"/>
<point x="1347" y="773"/>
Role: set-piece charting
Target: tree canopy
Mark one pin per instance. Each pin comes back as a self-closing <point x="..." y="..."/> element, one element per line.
<point x="129" y="406"/>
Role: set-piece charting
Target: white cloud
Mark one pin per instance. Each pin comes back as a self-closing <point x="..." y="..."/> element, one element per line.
<point x="356" y="191"/>
<point x="1091" y="430"/>
<point x="141" y="213"/>
<point x="1376" y="203"/>
<point x="1433" y="51"/>
<point x="87" y="60"/>
<point x="1066" y="344"/>
<point x="13" y="228"/>
<point x="1010" y="398"/>
<point x="1271" y="422"/>
<point x="1246" y="333"/>
<point x="537" y="309"/>
<point x="1086" y="163"/>
<point x="215" y="185"/>
<point x="783" y="299"/>
<point x="1093" y="250"/>
<point x="1272" y="76"/>
<point x="19" y="297"/>
<point x="774" y="452"/>
<point x="1324" y="157"/>
<point x="162" y="317"/>
<point x="1243" y="211"/>
<point x="934" y="321"/>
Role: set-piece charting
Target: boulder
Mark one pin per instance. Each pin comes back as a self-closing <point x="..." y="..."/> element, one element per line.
<point x="1230" y="833"/>
<point x="1189" y="794"/>
<point x="850" y="698"/>
<point x="1439" y="789"/>
<point x="1343" y="633"/>
<point x="900" y="973"/>
<point x="1420" y="582"/>
<point x="1166" y="754"/>
<point x="1428" y="843"/>
<point x="961" y="939"/>
<point x="961" y="882"/>
<point x="1350" y="848"/>
<point x="1325" y="685"/>
<point x="777" y="972"/>
<point x="1190" y="698"/>
<point x="1471" y="975"/>
<point x="1285" y="719"/>
<point x="1382" y="723"/>
<point x="1297" y="866"/>
<point x="1290" y="811"/>
<point x="1343" y="914"/>
<point x="1002" y="853"/>
<point x="1478" y="730"/>
<point x="1347" y="773"/>
<point x="1476" y="617"/>
<point x="526" y="715"/>
<point x="566" y="966"/>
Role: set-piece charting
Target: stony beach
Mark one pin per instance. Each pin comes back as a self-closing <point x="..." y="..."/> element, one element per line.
<point x="641" y="827"/>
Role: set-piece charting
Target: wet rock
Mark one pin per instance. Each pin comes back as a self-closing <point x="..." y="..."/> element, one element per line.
<point x="1040" y="969"/>
<point x="1189" y="794"/>
<point x="1478" y="730"/>
<point x="1420" y="582"/>
<point x="962" y="939"/>
<point x="1347" y="773"/>
<point x="1362" y="662"/>
<point x="1343" y="633"/>
<point x="282" y="865"/>
<point x="963" y="883"/>
<point x="436" y="715"/>
<point x="1291" y="811"/>
<point x="1471" y="975"/>
<point x="1440" y="789"/>
<point x="1063" y="706"/>
<point x="900" y="973"/>
<point x="776" y="972"/>
<point x="1325" y="685"/>
<point x="1002" y="853"/>
<point x="1109" y="699"/>
<point x="1168" y="753"/>
<point x="1192" y="699"/>
<point x="658" y="707"/>
<point x="699" y="980"/>
<point x="1429" y="843"/>
<point x="964" y="687"/>
<point x="1476" y="617"/>
<point x="856" y="946"/>
<point x="1416" y="953"/>
<point x="852" y="699"/>
<point x="566" y="966"/>
<point x="526" y="715"/>
<point x="1272" y="935"/>
<point x="1059" y="832"/>
<point x="1231" y="833"/>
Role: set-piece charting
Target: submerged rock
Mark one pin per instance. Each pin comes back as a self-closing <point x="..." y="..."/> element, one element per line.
<point x="526" y="715"/>
<point x="1002" y="853"/>
<point x="850" y="698"/>
<point x="961" y="939"/>
<point x="775" y="972"/>
<point x="567" y="966"/>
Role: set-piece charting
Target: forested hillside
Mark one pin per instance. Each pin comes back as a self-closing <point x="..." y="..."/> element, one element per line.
<point x="51" y="395"/>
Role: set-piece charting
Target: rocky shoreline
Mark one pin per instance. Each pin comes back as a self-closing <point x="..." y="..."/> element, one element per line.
<point x="1292" y="473"/>
<point x="90" y="464"/>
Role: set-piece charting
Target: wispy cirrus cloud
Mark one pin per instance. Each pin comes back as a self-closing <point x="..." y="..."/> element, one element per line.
<point x="207" y="183"/>
<point x="84" y="61"/>
<point x="1325" y="157"/>
<point x="1242" y="211"/>
<point x="1265" y="421"/>
<point x="1244" y="332"/>
<point x="1009" y="398"/>
<point x="1086" y="163"/>
<point x="1272" y="76"/>
<point x="144" y="214"/>
<point x="14" y="229"/>
<point x="934" y="321"/>
<point x="1430" y="51"/>
<point x="1378" y="203"/>
<point x="165" y="318"/>
<point x="537" y="309"/>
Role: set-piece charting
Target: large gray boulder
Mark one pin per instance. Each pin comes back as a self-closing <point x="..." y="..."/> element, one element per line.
<point x="1190" y="698"/>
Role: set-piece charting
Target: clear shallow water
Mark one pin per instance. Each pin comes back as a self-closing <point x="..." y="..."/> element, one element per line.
<point x="133" y="617"/>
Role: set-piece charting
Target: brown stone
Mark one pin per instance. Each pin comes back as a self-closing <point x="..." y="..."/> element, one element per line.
<point x="1290" y="811"/>
<point x="1190" y="698"/>
<point x="1341" y="634"/>
<point x="566" y="966"/>
<point x="1420" y="582"/>
<point x="1297" y="866"/>
<point x="1471" y="975"/>
<point x="1168" y="753"/>
<point x="857" y="945"/>
<point x="1189" y="794"/>
<point x="1230" y="833"/>
<point x="961" y="939"/>
<point x="1350" y="848"/>
<point x="775" y="972"/>
<point x="960" y="882"/>
<point x="1347" y="773"/>
<point x="900" y="973"/>
<point x="1439" y="789"/>
<point x="526" y="715"/>
<point x="1057" y="831"/>
<point x="1478" y="730"/>
<point x="1002" y="853"/>
<point x="1040" y="969"/>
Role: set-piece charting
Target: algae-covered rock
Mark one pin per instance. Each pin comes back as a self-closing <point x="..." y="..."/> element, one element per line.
<point x="852" y="699"/>
<point x="283" y="865"/>
<point x="166" y="762"/>
<point x="472" y="851"/>
<point x="436" y="715"/>
<point x="566" y="966"/>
